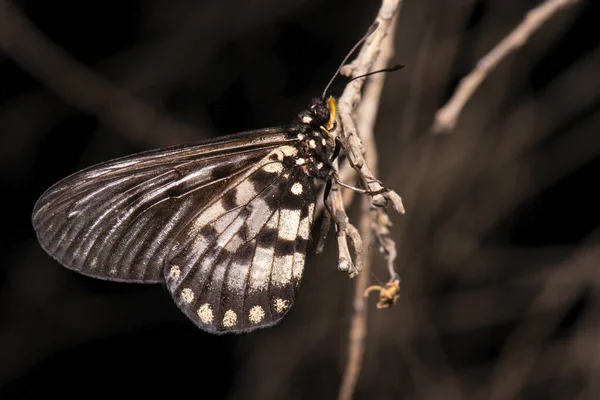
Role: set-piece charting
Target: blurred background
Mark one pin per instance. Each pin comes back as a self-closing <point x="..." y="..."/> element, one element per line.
<point x="499" y="249"/>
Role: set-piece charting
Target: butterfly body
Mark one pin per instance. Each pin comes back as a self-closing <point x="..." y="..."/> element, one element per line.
<point x="224" y="223"/>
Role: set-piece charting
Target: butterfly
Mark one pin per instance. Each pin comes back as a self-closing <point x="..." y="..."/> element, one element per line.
<point x="224" y="224"/>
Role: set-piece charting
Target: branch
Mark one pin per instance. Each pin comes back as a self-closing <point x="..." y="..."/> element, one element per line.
<point x="522" y="347"/>
<point x="371" y="208"/>
<point x="347" y="107"/>
<point x="350" y="99"/>
<point x="447" y="116"/>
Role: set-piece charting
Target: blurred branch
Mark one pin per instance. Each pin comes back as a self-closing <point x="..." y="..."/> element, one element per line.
<point x="350" y="139"/>
<point x="447" y="116"/>
<point x="78" y="85"/>
<point x="514" y="183"/>
<point x="368" y="59"/>
<point x="556" y="363"/>
<point x="514" y="160"/>
<point x="526" y="342"/>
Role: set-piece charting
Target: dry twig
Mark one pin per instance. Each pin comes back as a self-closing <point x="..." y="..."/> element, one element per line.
<point x="388" y="294"/>
<point x="347" y="106"/>
<point x="447" y="116"/>
<point x="371" y="208"/>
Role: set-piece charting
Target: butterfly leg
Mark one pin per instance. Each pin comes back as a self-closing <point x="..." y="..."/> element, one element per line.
<point x="326" y="197"/>
<point x="327" y="216"/>
<point x="336" y="152"/>
<point x="359" y="190"/>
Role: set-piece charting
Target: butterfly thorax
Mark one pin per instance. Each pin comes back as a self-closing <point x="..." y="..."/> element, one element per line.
<point x="314" y="130"/>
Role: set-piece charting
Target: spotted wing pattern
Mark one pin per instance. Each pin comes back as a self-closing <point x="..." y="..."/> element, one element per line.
<point x="223" y="224"/>
<point x="238" y="263"/>
<point x="116" y="220"/>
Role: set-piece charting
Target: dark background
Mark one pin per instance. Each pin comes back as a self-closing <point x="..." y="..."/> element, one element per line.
<point x="499" y="250"/>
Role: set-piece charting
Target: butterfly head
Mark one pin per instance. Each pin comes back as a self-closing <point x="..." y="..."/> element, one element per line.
<point x="321" y="116"/>
<point x="325" y="112"/>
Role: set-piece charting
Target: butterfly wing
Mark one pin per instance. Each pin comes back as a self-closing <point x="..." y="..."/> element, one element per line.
<point x="116" y="220"/>
<point x="237" y="264"/>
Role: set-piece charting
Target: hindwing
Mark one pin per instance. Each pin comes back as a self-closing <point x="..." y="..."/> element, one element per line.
<point x="238" y="263"/>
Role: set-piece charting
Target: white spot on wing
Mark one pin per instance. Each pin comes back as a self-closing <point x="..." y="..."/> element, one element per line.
<point x="297" y="188"/>
<point x="205" y="313"/>
<point x="289" y="151"/>
<point x="312" y="144"/>
<point x="229" y="319"/>
<point x="273" y="167"/>
<point x="300" y="161"/>
<point x="281" y="305"/>
<point x="187" y="295"/>
<point x="174" y="272"/>
<point x="306" y="119"/>
<point x="288" y="224"/>
<point x="256" y="314"/>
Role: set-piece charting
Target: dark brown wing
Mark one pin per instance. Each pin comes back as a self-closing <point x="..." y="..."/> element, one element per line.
<point x="116" y="220"/>
<point x="237" y="265"/>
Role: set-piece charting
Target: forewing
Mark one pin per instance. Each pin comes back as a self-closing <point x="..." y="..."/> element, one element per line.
<point x="116" y="220"/>
<point x="237" y="265"/>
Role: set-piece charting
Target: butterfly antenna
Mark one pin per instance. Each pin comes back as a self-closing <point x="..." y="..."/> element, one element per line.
<point x="393" y="68"/>
<point x="372" y="29"/>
